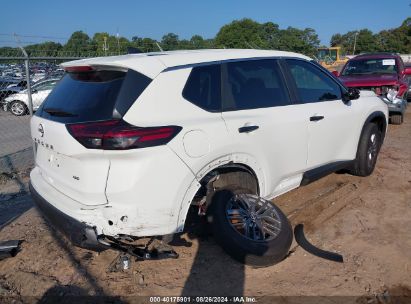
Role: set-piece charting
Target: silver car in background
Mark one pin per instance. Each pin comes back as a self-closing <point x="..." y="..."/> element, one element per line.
<point x="18" y="103"/>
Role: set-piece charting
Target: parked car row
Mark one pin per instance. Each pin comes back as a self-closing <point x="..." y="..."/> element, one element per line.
<point x="383" y="73"/>
<point x="13" y="85"/>
<point x="38" y="70"/>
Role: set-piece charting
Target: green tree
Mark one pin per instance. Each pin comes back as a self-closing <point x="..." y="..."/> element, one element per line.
<point x="271" y="35"/>
<point x="345" y="41"/>
<point x="247" y="33"/>
<point x="198" y="42"/>
<point x="399" y="39"/>
<point x="105" y="44"/>
<point x="396" y="40"/>
<point x="79" y="44"/>
<point x="366" y="42"/>
<point x="7" y="51"/>
<point x="244" y="33"/>
<point x="170" y="42"/>
<point x="301" y="41"/>
<point x="144" y="44"/>
<point x="48" y="48"/>
<point x="336" y="40"/>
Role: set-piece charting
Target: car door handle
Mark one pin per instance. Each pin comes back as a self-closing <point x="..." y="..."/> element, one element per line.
<point x="247" y="129"/>
<point x="316" y="118"/>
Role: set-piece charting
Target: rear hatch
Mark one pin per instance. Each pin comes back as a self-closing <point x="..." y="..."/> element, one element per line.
<point x="69" y="158"/>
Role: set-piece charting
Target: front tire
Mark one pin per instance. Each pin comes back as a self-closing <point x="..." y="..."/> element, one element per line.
<point x="250" y="229"/>
<point x="368" y="149"/>
<point x="18" y="108"/>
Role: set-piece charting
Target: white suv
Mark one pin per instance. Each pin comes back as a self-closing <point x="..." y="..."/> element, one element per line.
<point x="127" y="145"/>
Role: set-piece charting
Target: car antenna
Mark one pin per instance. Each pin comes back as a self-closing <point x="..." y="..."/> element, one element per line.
<point x="161" y="50"/>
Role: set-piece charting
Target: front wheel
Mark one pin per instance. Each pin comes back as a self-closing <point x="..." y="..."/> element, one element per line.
<point x="368" y="149"/>
<point x="249" y="228"/>
<point x="18" y="108"/>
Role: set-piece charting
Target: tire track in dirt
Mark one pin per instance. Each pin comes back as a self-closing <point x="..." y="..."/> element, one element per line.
<point x="318" y="210"/>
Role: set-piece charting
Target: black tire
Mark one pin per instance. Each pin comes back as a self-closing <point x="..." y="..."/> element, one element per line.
<point x="368" y="149"/>
<point x="396" y="119"/>
<point x="237" y="245"/>
<point x="14" y="105"/>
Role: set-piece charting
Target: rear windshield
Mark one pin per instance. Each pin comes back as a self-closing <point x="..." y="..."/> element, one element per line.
<point x="370" y="66"/>
<point x="93" y="95"/>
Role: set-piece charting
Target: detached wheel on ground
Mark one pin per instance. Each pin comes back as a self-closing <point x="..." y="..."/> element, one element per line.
<point x="249" y="228"/>
<point x="368" y="149"/>
<point x="396" y="119"/>
<point x="18" y="108"/>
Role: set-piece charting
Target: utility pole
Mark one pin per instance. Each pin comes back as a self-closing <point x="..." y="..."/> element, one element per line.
<point x="118" y="42"/>
<point x="355" y="42"/>
<point x="105" y="48"/>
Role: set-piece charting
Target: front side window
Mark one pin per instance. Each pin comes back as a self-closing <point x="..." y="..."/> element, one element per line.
<point x="311" y="83"/>
<point x="253" y="84"/>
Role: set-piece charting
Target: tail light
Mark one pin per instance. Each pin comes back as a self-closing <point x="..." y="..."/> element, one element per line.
<point x="119" y="135"/>
<point x="78" y="69"/>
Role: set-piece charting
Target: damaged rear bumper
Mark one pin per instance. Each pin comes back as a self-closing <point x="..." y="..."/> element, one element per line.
<point x="133" y="216"/>
<point x="80" y="234"/>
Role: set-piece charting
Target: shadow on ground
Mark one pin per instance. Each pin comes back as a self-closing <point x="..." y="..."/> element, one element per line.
<point x="206" y="276"/>
<point x="15" y="203"/>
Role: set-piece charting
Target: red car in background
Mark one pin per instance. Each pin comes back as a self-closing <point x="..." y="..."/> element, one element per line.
<point x="383" y="73"/>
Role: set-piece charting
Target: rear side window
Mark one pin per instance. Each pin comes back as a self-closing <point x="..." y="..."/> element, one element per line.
<point x="203" y="87"/>
<point x="93" y="95"/>
<point x="253" y="84"/>
<point x="312" y="84"/>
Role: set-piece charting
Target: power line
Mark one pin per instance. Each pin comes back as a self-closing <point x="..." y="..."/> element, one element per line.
<point x="34" y="36"/>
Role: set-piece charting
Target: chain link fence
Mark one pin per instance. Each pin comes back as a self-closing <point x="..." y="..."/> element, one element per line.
<point x="25" y="83"/>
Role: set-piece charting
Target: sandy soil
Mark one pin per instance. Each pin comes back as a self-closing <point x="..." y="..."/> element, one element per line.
<point x="367" y="220"/>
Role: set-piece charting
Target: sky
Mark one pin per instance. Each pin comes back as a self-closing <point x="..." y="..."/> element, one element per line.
<point x="60" y="18"/>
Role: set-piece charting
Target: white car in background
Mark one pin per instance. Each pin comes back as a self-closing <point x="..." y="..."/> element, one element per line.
<point x="127" y="145"/>
<point x="18" y="104"/>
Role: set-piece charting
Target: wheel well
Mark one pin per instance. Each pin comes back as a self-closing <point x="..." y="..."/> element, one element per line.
<point x="231" y="175"/>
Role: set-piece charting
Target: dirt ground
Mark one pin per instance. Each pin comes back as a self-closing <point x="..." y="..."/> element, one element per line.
<point x="367" y="220"/>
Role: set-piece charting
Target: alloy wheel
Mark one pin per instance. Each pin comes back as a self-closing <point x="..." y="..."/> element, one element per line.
<point x="17" y="108"/>
<point x="253" y="217"/>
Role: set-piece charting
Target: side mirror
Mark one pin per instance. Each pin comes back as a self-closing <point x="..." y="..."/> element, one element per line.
<point x="336" y="73"/>
<point x="407" y="71"/>
<point x="34" y="91"/>
<point x="351" y="94"/>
